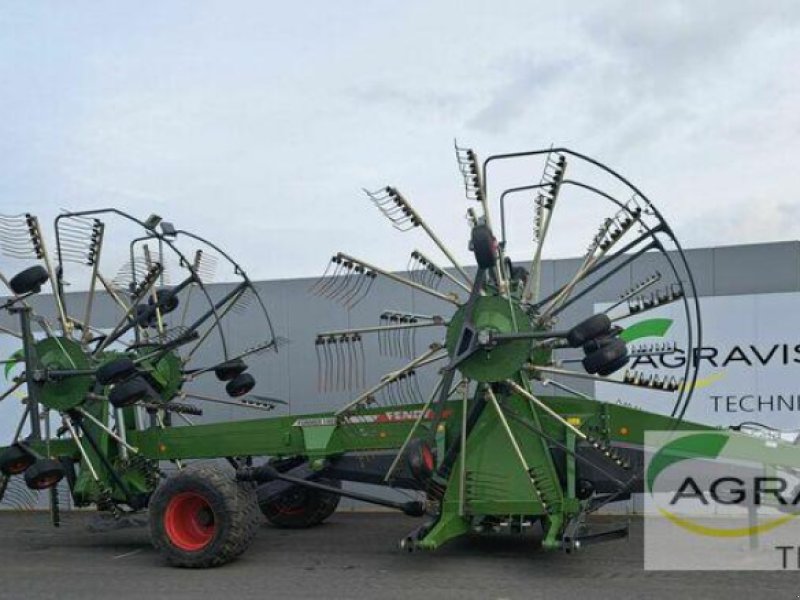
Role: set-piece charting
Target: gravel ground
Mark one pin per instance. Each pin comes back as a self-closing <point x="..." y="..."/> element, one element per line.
<point x="353" y="555"/>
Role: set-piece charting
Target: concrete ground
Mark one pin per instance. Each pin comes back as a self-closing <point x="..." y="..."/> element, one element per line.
<point x="354" y="555"/>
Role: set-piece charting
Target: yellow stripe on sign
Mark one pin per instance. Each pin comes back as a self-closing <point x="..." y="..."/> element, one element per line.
<point x="725" y="533"/>
<point x="704" y="382"/>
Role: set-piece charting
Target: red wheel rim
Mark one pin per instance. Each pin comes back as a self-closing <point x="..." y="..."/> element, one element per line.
<point x="189" y="521"/>
<point x="428" y="461"/>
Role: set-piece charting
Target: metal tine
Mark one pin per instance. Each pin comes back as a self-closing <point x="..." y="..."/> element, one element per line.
<point x="320" y="374"/>
<point x="552" y="176"/>
<point x="329" y="362"/>
<point x="338" y="291"/>
<point x="371" y="276"/>
<point x="402" y="389"/>
<point x="321" y="284"/>
<point x="205" y="265"/>
<point x="20" y="236"/>
<point x="382" y="322"/>
<point x="352" y="363"/>
<point x="417" y="266"/>
<point x="79" y="239"/>
<point x="452" y="298"/>
<point x="610" y="232"/>
<point x="340" y="362"/>
<point x="418" y="395"/>
<point x="645" y="302"/>
<point x="361" y="279"/>
<point x="343" y="283"/>
<point x="636" y="289"/>
<point x="397" y="347"/>
<point x="410" y="219"/>
<point x="128" y="273"/>
<point x="393" y="208"/>
<point x="243" y="301"/>
<point x="470" y="170"/>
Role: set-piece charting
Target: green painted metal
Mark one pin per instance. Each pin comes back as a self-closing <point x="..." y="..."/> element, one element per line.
<point x="497" y="315"/>
<point x="61" y="353"/>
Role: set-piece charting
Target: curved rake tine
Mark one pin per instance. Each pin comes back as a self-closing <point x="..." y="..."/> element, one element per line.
<point x="324" y="283"/>
<point x="331" y="365"/>
<point x="322" y="278"/>
<point x="349" y="300"/>
<point x="320" y="373"/>
<point x="343" y="281"/>
<point x="363" y="379"/>
<point x="353" y="363"/>
<point x="407" y="340"/>
<point x="382" y="322"/>
<point x="372" y="276"/>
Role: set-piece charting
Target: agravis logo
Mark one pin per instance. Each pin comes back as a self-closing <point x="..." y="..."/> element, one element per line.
<point x="740" y="488"/>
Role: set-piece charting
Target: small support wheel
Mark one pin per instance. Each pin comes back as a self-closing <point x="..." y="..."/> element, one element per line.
<point x="116" y="371"/>
<point x="610" y="357"/>
<point x="130" y="392"/>
<point x="299" y="507"/>
<point x="29" y="281"/>
<point x="43" y="474"/>
<point x="240" y="385"/>
<point x="230" y="369"/>
<point x="14" y="460"/>
<point x="201" y="517"/>
<point x="484" y="246"/>
<point x="593" y="327"/>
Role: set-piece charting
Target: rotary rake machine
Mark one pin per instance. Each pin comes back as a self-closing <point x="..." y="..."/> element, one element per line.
<point x="497" y="423"/>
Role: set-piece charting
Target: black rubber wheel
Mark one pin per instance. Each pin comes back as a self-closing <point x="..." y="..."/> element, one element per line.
<point x="29" y="281"/>
<point x="299" y="507"/>
<point x="613" y="366"/>
<point x="420" y="459"/>
<point x="240" y="385"/>
<point x="484" y="246"/>
<point x="116" y="371"/>
<point x="587" y="330"/>
<point x="607" y="359"/>
<point x="201" y="517"/>
<point x="130" y="392"/>
<point x="14" y="460"/>
<point x="230" y="369"/>
<point x="166" y="300"/>
<point x="44" y="474"/>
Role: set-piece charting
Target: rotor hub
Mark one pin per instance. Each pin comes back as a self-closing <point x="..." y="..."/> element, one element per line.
<point x="491" y="315"/>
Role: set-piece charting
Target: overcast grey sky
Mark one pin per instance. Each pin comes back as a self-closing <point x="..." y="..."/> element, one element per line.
<point x="257" y="123"/>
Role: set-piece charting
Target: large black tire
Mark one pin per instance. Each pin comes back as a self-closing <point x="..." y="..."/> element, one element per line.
<point x="14" y="460"/>
<point x="299" y="507"/>
<point x="29" y="281"/>
<point x="593" y="327"/>
<point x="44" y="473"/>
<point x="201" y="517"/>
